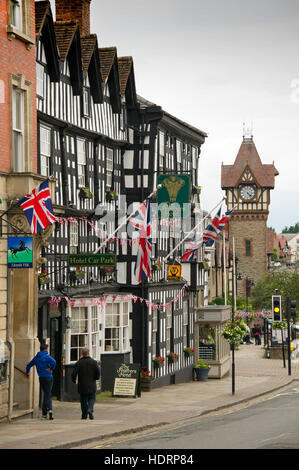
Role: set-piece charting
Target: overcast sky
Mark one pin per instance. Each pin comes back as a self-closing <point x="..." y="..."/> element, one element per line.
<point x="216" y="64"/>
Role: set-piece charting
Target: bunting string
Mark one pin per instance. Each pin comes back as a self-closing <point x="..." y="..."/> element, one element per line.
<point x="101" y="301"/>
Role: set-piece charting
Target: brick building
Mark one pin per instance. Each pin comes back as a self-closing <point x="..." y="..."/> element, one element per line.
<point x="18" y="176"/>
<point x="248" y="183"/>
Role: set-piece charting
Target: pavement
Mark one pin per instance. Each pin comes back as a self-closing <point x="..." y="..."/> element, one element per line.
<point x="255" y="376"/>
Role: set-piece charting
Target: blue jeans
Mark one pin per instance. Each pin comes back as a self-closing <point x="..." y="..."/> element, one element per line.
<point x="46" y="386"/>
<point x="87" y="402"/>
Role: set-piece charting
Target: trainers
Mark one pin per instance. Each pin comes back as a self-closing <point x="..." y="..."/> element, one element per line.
<point x="44" y="417"/>
<point x="51" y="414"/>
<point x="90" y="414"/>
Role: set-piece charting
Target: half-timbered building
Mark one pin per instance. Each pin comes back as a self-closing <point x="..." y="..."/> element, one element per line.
<point x="105" y="148"/>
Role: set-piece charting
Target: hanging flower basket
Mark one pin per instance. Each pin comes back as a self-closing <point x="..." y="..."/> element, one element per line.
<point x="44" y="278"/>
<point x="172" y="357"/>
<point x="157" y="265"/>
<point x="158" y="361"/>
<point x="111" y="195"/>
<point x="234" y="331"/>
<point x="85" y="193"/>
<point x="80" y="273"/>
<point x="188" y="351"/>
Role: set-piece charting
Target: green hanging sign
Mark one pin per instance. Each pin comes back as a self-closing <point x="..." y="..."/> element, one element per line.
<point x="174" y="195"/>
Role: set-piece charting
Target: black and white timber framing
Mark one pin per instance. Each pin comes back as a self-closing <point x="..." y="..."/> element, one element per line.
<point x="95" y="133"/>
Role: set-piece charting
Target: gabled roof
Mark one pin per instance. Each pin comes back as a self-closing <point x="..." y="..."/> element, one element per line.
<point x="107" y="57"/>
<point x="44" y="24"/>
<point x="69" y="46"/>
<point x="41" y="10"/>
<point x="91" y="65"/>
<point x="110" y="76"/>
<point x="65" y="32"/>
<point x="127" y="79"/>
<point x="248" y="156"/>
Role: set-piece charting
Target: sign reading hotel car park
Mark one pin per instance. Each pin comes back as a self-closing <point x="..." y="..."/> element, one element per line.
<point x="90" y="259"/>
<point x="174" y="272"/>
<point x="173" y="194"/>
<point x="126" y="380"/>
<point x="19" y="252"/>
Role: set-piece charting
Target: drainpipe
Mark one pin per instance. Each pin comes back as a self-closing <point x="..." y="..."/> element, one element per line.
<point x="11" y="347"/>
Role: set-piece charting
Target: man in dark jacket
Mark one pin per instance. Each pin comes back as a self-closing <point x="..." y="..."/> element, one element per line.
<point x="88" y="372"/>
<point x="45" y="364"/>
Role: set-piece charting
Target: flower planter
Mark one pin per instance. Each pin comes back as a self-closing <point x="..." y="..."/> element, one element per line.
<point x="145" y="385"/>
<point x="202" y="373"/>
<point x="85" y="194"/>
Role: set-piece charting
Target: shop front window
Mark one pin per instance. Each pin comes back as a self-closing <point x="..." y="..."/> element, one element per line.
<point x="207" y="343"/>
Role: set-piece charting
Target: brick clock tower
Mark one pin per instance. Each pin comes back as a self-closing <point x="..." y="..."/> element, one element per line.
<point x="247" y="184"/>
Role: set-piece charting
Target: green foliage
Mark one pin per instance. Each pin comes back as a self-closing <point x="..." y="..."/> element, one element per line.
<point x="287" y="283"/>
<point x="202" y="365"/>
<point x="291" y="229"/>
<point x="234" y="331"/>
<point x="279" y="325"/>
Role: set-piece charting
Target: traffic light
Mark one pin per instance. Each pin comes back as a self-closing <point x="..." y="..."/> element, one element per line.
<point x="276" y="308"/>
<point x="292" y="309"/>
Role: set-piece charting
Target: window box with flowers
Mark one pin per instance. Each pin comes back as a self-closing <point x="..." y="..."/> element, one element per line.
<point x="146" y="380"/>
<point x="44" y="278"/>
<point x="80" y="273"/>
<point x="188" y="351"/>
<point x="85" y="193"/>
<point x="158" y="361"/>
<point x="172" y="357"/>
<point x="111" y="195"/>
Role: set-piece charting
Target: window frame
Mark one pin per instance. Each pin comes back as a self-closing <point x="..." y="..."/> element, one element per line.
<point x="81" y="163"/>
<point x="108" y="171"/>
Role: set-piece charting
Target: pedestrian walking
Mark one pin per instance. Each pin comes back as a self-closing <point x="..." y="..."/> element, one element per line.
<point x="87" y="371"/>
<point x="257" y="334"/>
<point x="45" y="364"/>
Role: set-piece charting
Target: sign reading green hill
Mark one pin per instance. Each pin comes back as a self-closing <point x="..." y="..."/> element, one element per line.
<point x="90" y="259"/>
<point x="173" y="194"/>
<point x="19" y="252"/>
<point x="126" y="380"/>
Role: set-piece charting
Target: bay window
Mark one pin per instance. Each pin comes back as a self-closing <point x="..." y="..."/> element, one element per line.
<point x="117" y="327"/>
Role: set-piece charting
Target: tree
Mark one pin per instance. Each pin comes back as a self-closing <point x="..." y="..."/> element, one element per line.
<point x="287" y="283"/>
<point x="292" y="229"/>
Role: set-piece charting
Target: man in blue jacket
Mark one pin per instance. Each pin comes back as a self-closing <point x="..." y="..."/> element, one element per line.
<point x="45" y="364"/>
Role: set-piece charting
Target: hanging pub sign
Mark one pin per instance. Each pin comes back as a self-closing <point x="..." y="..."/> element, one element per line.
<point x="173" y="195"/>
<point x="19" y="252"/>
<point x="174" y="272"/>
<point x="103" y="260"/>
<point x="126" y="380"/>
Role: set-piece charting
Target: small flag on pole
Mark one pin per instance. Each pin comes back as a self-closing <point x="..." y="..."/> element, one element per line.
<point x="38" y="208"/>
<point x="142" y="222"/>
<point x="191" y="247"/>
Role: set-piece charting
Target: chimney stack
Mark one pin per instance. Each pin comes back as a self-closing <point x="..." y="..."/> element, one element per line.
<point x="74" y="10"/>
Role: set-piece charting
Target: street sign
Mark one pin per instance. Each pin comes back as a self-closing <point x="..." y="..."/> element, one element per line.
<point x="19" y="252"/>
<point x="174" y="272"/>
<point x="92" y="259"/>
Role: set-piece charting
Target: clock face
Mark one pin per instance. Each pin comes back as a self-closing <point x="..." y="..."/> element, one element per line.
<point x="247" y="192"/>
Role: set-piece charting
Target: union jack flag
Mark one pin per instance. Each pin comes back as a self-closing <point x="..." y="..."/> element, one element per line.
<point x="191" y="247"/>
<point x="38" y="207"/>
<point x="142" y="222"/>
<point x="212" y="230"/>
<point x="224" y="219"/>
